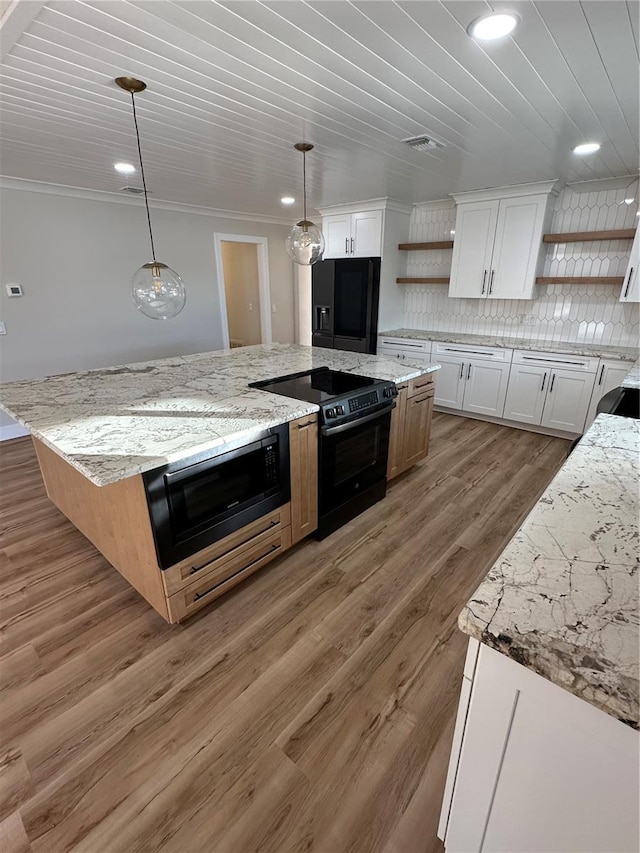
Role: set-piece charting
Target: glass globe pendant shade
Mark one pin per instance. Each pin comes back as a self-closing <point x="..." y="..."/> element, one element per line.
<point x="305" y="243"/>
<point x="158" y="291"/>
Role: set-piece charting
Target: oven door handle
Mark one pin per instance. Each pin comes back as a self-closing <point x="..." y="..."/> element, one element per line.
<point x="358" y="422"/>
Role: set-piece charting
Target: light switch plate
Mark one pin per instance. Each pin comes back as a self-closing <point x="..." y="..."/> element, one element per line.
<point x="3" y="329"/>
<point x="14" y="289"/>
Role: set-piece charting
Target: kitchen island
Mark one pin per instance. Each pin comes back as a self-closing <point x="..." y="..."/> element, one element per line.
<point x="546" y="751"/>
<point x="99" y="432"/>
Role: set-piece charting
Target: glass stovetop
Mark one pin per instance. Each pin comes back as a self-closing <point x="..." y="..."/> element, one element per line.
<point x="315" y="386"/>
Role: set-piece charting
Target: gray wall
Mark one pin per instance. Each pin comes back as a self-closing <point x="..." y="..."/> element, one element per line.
<point x="74" y="258"/>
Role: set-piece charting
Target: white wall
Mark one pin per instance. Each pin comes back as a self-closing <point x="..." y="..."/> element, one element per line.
<point x="74" y="258"/>
<point x="563" y="312"/>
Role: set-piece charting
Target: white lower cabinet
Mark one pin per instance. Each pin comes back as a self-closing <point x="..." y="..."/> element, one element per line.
<point x="404" y="349"/>
<point x="550" y="390"/>
<point x="610" y="375"/>
<point x="472" y="379"/>
<point x="535" y="768"/>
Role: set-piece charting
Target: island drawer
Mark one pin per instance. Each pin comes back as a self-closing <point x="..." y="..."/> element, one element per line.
<point x="231" y="548"/>
<point x="225" y="575"/>
<point x="421" y="384"/>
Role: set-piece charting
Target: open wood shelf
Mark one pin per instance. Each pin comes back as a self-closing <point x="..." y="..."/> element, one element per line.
<point x="588" y="236"/>
<point x="580" y="279"/>
<point x="415" y="247"/>
<point x="422" y="281"/>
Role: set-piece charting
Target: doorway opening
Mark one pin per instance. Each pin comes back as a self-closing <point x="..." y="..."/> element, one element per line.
<point x="243" y="272"/>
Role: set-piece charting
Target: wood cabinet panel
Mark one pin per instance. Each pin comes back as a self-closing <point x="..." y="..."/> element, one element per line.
<point x="225" y="575"/>
<point x="231" y="547"/>
<point x="417" y="428"/>
<point x="421" y="384"/>
<point x="303" y="448"/>
<point x="398" y="415"/>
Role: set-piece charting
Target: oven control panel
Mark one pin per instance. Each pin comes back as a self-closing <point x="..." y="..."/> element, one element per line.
<point x="356" y="404"/>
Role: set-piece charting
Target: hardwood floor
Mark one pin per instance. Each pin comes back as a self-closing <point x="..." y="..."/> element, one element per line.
<point x="310" y="709"/>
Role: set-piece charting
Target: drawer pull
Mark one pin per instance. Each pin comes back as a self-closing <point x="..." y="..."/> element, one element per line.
<point x="304" y="426"/>
<point x="200" y="595"/>
<point x="274" y="523"/>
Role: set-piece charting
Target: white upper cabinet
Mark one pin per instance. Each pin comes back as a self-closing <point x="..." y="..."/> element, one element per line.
<point x="498" y="249"/>
<point x="631" y="284"/>
<point x="353" y="235"/>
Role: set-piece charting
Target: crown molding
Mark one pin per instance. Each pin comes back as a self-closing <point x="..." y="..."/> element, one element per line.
<point x="601" y="184"/>
<point x="23" y="185"/>
<point x="369" y="204"/>
<point x="512" y="191"/>
<point x="436" y="204"/>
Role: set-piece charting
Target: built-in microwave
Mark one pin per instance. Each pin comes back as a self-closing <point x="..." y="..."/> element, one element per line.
<point x="195" y="503"/>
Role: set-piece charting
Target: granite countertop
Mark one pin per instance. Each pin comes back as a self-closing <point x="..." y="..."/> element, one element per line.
<point x="567" y="347"/>
<point x="116" y="422"/>
<point x="562" y="599"/>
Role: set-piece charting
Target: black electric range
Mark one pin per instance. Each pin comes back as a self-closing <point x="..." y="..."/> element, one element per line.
<point x="355" y="422"/>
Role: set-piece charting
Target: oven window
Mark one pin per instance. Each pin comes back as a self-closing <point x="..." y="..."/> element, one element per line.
<point x="355" y="454"/>
<point x="221" y="489"/>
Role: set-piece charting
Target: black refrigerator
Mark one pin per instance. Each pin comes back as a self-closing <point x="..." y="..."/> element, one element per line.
<point x="345" y="295"/>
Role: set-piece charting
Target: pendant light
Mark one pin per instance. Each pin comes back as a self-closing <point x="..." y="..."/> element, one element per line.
<point x="157" y="290"/>
<point x="305" y="243"/>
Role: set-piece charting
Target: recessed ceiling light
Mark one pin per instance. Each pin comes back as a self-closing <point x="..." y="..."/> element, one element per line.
<point x="495" y="25"/>
<point x="124" y="168"/>
<point x="586" y="148"/>
<point x="287" y="199"/>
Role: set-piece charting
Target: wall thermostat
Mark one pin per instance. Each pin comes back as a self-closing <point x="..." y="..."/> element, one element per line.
<point x="14" y="289"/>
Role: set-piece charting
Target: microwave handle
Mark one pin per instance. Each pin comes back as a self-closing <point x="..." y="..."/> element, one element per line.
<point x="215" y="461"/>
<point x="358" y="422"/>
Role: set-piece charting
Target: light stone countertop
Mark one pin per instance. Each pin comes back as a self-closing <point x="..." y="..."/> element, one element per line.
<point x="566" y="347"/>
<point x="632" y="379"/>
<point x="562" y="599"/>
<point x="116" y="422"/>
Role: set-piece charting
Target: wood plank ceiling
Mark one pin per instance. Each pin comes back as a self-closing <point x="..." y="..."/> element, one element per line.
<point x="231" y="87"/>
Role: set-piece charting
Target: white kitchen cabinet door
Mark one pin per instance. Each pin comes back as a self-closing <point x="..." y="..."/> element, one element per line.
<point x="525" y="393"/>
<point x="337" y="234"/>
<point x="450" y="382"/>
<point x="473" y="248"/>
<point x="517" y="246"/>
<point x="540" y="769"/>
<point x="366" y="234"/>
<point x="567" y="400"/>
<point x="609" y="376"/>
<point x="631" y="283"/>
<point x="485" y="388"/>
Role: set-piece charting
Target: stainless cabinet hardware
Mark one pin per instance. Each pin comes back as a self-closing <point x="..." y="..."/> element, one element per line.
<point x="308" y="424"/>
<point x="484" y="280"/>
<point x="626" y="290"/>
<point x="544" y="379"/>
<point x="552" y="360"/>
<point x="462" y="370"/>
<point x="469" y="371"/>
<point x="352" y="245"/>
<point x="467" y="351"/>
<point x="346" y="245"/>
<point x="493" y="272"/>
<point x="601" y="375"/>
<point x="553" y="379"/>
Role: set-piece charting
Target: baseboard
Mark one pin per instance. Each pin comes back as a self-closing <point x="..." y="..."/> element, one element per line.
<point x="554" y="433"/>
<point x="12" y="431"/>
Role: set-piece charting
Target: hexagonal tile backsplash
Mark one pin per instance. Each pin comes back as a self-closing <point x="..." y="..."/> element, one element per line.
<point x="562" y="312"/>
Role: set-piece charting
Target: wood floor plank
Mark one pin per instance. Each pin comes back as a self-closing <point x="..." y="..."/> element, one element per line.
<point x="311" y="709"/>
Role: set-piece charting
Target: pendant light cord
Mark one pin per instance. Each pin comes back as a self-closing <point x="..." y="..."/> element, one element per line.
<point x="144" y="183"/>
<point x="304" y="185"/>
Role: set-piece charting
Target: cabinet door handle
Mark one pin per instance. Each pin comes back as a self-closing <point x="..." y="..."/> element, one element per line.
<point x="626" y="290"/>
<point x="601" y="375"/>
<point x="469" y="371"/>
<point x="484" y="280"/>
<point x="544" y="379"/>
<point x="553" y="379"/>
<point x="352" y="245"/>
<point x="493" y="272"/>
<point x="346" y="245"/>
<point x="462" y="370"/>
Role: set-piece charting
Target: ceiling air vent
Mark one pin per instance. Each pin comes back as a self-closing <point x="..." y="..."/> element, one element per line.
<point x="132" y="190"/>
<point x="423" y="143"/>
